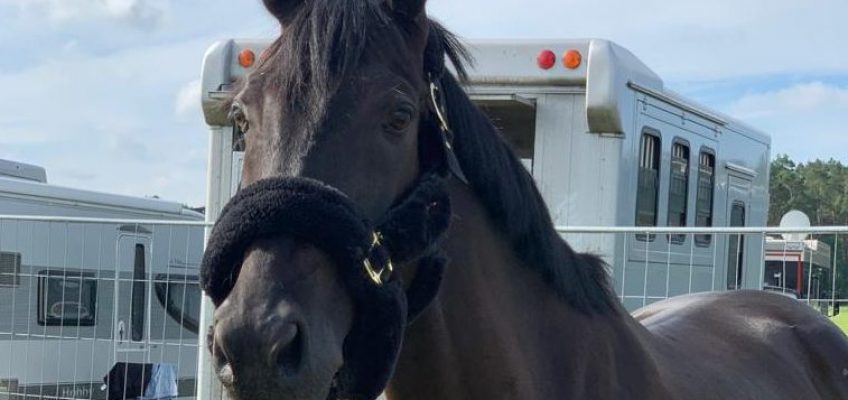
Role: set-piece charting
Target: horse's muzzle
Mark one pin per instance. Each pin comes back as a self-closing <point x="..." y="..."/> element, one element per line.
<point x="278" y="343"/>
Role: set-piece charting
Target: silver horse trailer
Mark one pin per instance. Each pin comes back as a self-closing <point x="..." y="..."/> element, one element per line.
<point x="608" y="145"/>
<point x="81" y="291"/>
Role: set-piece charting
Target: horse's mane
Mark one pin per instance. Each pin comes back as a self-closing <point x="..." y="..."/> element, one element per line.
<point x="331" y="38"/>
<point x="510" y="195"/>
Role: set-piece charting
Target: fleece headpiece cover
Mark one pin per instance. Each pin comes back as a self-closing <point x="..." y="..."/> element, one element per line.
<point x="327" y="218"/>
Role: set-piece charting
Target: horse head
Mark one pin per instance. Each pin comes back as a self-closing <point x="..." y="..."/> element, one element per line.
<point x="343" y="107"/>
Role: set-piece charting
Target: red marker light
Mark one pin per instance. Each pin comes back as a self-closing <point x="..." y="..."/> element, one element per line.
<point x="546" y="59"/>
<point x="246" y="58"/>
<point x="572" y="59"/>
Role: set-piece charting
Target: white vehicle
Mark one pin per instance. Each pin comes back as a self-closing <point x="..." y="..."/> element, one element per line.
<point x="78" y="297"/>
<point x="801" y="268"/>
<point x="607" y="144"/>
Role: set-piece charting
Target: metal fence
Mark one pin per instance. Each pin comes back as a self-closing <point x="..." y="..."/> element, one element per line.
<point x="652" y="264"/>
<point x="81" y="297"/>
<point x="89" y="306"/>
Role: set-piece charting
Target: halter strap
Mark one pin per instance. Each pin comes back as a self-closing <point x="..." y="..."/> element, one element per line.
<point x="437" y="101"/>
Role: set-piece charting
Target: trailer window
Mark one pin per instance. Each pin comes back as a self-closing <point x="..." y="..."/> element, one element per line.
<point x="138" y="294"/>
<point x="736" y="247"/>
<point x="704" y="200"/>
<point x="648" y="183"/>
<point x="10" y="269"/>
<point x="516" y="122"/>
<point x="66" y="298"/>
<point x="180" y="296"/>
<point x="678" y="190"/>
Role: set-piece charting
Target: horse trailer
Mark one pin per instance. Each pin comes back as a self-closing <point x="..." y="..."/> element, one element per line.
<point x="83" y="288"/>
<point x="607" y="144"/>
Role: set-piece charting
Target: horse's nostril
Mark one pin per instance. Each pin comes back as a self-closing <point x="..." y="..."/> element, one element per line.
<point x="219" y="357"/>
<point x="288" y="352"/>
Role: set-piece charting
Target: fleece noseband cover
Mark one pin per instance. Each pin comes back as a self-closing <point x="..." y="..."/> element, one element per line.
<point x="327" y="218"/>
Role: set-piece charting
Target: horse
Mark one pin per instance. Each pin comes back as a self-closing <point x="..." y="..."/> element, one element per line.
<point x="355" y="96"/>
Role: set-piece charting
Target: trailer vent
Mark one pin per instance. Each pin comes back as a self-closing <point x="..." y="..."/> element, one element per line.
<point x="10" y="269"/>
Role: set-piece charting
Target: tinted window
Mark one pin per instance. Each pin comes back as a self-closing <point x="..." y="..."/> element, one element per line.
<point x="704" y="200"/>
<point x="782" y="275"/>
<point x="180" y="296"/>
<point x="10" y="269"/>
<point x="678" y="189"/>
<point x="648" y="182"/>
<point x="66" y="298"/>
<point x="736" y="247"/>
<point x="138" y="294"/>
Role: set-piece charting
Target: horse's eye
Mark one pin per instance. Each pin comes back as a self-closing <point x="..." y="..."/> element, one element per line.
<point x="239" y="119"/>
<point x="400" y="119"/>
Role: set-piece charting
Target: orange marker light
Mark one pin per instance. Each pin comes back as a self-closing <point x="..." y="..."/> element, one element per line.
<point x="546" y="59"/>
<point x="572" y="59"/>
<point x="246" y="58"/>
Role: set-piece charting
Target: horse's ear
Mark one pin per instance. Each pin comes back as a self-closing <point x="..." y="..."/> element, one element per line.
<point x="411" y="9"/>
<point x="283" y="10"/>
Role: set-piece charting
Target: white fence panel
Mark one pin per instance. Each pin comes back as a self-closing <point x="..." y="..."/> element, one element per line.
<point x="652" y="264"/>
<point x="82" y="297"/>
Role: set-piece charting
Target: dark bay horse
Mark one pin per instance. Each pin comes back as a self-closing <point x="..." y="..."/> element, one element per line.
<point x="344" y="96"/>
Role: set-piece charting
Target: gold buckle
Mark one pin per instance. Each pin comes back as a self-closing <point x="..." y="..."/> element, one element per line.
<point x="377" y="276"/>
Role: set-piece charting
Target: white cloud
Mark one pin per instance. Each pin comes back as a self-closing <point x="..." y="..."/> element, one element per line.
<point x="802" y="98"/>
<point x="681" y="40"/>
<point x="806" y="121"/>
<point x="188" y="99"/>
<point x="105" y="122"/>
<point x="144" y="14"/>
<point x="116" y="109"/>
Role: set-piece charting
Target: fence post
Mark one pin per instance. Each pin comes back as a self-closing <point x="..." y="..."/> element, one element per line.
<point x="219" y="192"/>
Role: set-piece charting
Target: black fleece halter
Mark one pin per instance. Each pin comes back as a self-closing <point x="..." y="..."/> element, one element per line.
<point x="366" y="254"/>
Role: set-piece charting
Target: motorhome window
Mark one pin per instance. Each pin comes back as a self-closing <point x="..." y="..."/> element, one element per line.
<point x="517" y="123"/>
<point x="138" y="294"/>
<point x="180" y="296"/>
<point x="736" y="247"/>
<point x="66" y="298"/>
<point x="10" y="269"/>
<point x="704" y="200"/>
<point x="648" y="183"/>
<point x="678" y="189"/>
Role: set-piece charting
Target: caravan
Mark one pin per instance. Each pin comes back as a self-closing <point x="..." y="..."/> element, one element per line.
<point x="87" y="283"/>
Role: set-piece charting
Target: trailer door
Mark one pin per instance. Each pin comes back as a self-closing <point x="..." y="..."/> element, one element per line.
<point x="738" y="200"/>
<point x="132" y="299"/>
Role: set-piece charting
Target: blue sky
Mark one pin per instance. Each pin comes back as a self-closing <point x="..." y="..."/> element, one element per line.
<point x="104" y="93"/>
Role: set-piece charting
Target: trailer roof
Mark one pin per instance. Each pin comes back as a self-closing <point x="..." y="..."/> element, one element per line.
<point x="25" y="190"/>
<point x="805" y="251"/>
<point x="515" y="62"/>
<point x="19" y="170"/>
<point x="607" y="72"/>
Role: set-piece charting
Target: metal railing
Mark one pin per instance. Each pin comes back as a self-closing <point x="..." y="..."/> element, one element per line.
<point x="71" y="303"/>
<point x="649" y="264"/>
<point x="79" y="296"/>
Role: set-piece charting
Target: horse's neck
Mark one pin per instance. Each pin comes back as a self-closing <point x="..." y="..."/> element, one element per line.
<point x="497" y="330"/>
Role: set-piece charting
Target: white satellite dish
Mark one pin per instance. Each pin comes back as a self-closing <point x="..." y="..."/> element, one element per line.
<point x="795" y="219"/>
